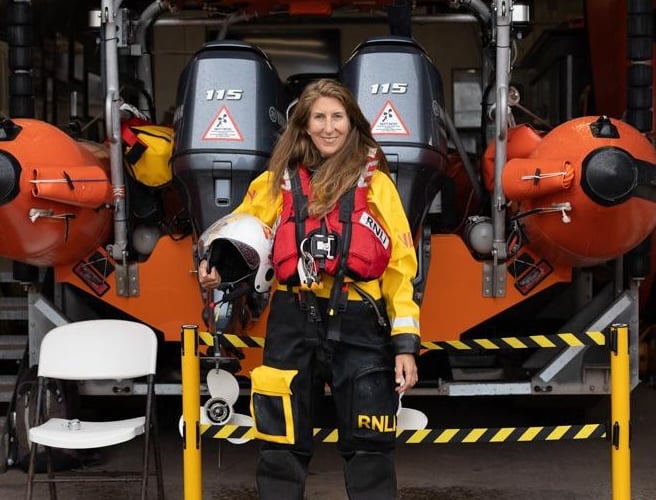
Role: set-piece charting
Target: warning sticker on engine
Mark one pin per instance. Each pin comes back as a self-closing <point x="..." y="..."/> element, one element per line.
<point x="223" y="128"/>
<point x="389" y="122"/>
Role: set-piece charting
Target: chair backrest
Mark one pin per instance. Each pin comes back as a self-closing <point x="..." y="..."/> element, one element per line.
<point x="103" y="349"/>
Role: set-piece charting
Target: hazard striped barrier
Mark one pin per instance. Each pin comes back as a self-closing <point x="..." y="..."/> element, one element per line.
<point x="532" y="341"/>
<point x="528" y="342"/>
<point x="231" y="340"/>
<point x="617" y="431"/>
<point x="441" y="436"/>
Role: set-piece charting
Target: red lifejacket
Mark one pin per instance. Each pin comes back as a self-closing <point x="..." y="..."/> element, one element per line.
<point x="350" y="225"/>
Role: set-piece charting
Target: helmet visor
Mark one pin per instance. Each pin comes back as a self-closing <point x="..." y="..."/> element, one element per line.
<point x="234" y="260"/>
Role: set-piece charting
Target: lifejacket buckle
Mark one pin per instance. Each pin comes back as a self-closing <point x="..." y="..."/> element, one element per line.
<point x="323" y="246"/>
<point x="308" y="303"/>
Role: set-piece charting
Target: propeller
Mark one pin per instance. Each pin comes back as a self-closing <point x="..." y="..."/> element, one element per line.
<point x="219" y="408"/>
<point x="409" y="419"/>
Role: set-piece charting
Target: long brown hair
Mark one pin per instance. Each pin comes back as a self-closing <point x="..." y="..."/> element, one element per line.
<point x="332" y="176"/>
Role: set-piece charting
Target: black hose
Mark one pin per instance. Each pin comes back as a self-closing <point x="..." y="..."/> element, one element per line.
<point x="639" y="102"/>
<point x="20" y="34"/>
<point x="640" y="43"/>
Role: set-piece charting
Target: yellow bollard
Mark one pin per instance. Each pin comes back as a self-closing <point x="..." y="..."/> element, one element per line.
<point x="620" y="400"/>
<point x="191" y="438"/>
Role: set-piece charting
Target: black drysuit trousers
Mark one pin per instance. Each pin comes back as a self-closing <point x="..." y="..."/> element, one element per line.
<point x="359" y="369"/>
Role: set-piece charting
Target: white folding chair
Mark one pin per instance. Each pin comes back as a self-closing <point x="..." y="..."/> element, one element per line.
<point x="96" y="350"/>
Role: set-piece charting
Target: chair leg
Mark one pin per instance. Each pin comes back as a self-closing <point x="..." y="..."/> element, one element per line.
<point x="158" y="459"/>
<point x="51" y="473"/>
<point x="30" y="473"/>
<point x="152" y="442"/>
<point x="145" y="466"/>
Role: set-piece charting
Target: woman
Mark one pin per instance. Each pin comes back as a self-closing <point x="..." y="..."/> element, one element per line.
<point x="343" y="312"/>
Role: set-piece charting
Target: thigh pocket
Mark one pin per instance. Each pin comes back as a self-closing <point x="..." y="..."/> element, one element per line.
<point x="271" y="404"/>
<point x="374" y="404"/>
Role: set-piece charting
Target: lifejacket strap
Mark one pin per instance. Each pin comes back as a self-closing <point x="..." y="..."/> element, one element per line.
<point x="308" y="303"/>
<point x="334" y="331"/>
<point x="136" y="152"/>
<point x="300" y="206"/>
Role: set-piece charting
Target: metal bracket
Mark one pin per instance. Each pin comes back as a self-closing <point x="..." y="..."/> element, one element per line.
<point x="494" y="279"/>
<point x="127" y="280"/>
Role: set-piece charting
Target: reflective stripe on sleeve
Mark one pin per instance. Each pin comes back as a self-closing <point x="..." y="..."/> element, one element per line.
<point x="405" y="322"/>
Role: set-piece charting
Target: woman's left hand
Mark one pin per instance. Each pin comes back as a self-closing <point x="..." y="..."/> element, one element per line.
<point x="405" y="372"/>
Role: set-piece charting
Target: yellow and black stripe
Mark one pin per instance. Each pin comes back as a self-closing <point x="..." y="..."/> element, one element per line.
<point x="226" y="431"/>
<point x="231" y="340"/>
<point x="502" y="434"/>
<point x="533" y="341"/>
<point x="443" y="436"/>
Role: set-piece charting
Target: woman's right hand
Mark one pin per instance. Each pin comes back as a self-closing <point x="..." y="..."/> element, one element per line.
<point x="208" y="280"/>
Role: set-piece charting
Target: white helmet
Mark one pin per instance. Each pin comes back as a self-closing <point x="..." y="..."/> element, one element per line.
<point x="239" y="247"/>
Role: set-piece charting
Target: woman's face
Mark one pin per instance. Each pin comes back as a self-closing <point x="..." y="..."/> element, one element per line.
<point x="328" y="125"/>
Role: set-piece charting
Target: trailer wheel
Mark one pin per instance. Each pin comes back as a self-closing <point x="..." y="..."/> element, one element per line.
<point x="63" y="399"/>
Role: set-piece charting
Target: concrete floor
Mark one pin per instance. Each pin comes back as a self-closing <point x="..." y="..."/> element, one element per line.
<point x="558" y="470"/>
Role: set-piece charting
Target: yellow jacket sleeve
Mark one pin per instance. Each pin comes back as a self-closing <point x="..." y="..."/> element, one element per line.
<point x="260" y="202"/>
<point x="396" y="281"/>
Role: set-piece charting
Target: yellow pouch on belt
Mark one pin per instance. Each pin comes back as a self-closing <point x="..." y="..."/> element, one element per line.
<point x="271" y="404"/>
<point x="148" y="149"/>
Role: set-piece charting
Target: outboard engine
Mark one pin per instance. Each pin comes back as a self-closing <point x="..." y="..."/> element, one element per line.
<point x="400" y="92"/>
<point x="228" y="117"/>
